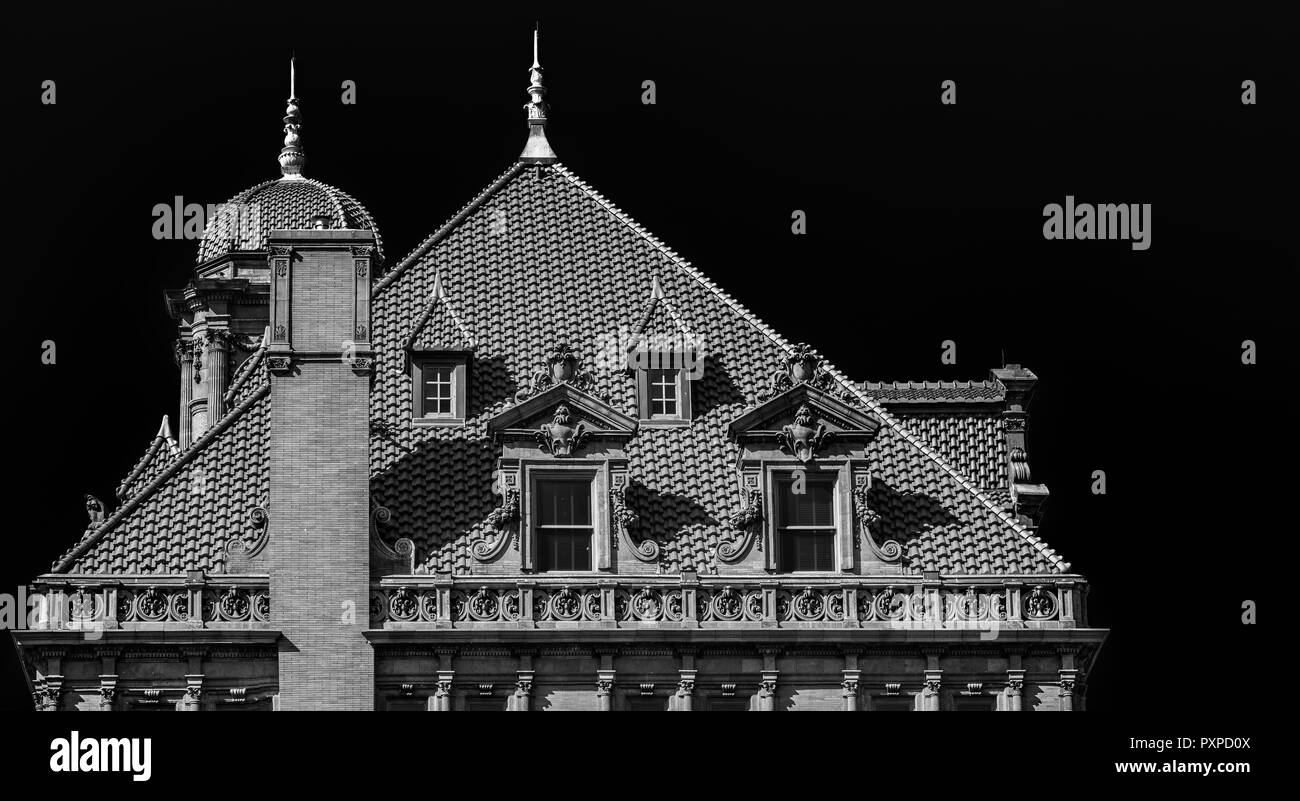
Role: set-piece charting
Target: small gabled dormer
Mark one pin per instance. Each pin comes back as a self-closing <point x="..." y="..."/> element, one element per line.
<point x="439" y="352"/>
<point x="665" y="358"/>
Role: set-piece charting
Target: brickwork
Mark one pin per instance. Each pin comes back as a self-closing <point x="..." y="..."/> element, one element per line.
<point x="320" y="499"/>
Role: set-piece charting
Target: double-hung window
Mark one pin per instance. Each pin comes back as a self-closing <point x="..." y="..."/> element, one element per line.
<point x="805" y="514"/>
<point x="564" y="524"/>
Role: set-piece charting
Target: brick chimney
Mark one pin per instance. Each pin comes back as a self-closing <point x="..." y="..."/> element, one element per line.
<point x="320" y="360"/>
<point x="1027" y="496"/>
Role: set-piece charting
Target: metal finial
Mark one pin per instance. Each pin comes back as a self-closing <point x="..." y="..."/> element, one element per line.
<point x="537" y="150"/>
<point x="292" y="159"/>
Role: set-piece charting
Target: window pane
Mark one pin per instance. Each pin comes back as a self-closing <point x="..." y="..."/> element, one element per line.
<point x="437" y="390"/>
<point x="807" y="550"/>
<point x="813" y="507"/>
<point x="565" y="549"/>
<point x="663" y="393"/>
<point x="564" y="502"/>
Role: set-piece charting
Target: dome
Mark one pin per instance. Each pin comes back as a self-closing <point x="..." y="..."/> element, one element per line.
<point x="292" y="202"/>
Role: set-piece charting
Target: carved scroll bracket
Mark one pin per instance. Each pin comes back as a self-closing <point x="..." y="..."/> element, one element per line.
<point x="647" y="550"/>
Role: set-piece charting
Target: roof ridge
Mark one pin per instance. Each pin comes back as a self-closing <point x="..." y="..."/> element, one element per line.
<point x="1053" y="558"/>
<point x="447" y="227"/>
<point x="437" y="294"/>
<point x="155" y="445"/>
<point x="184" y="458"/>
<point x="250" y="364"/>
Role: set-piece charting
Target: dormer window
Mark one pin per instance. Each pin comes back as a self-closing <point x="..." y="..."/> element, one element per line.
<point x="439" y="383"/>
<point x="663" y="387"/>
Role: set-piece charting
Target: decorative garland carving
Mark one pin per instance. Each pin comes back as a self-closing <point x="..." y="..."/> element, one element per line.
<point x="746" y="522"/>
<point x="800" y="438"/>
<point x="887" y="551"/>
<point x="647" y="550"/>
<point x="562" y="367"/>
<point x="1020" y="467"/>
<point x="503" y="518"/>
<point x="561" y="437"/>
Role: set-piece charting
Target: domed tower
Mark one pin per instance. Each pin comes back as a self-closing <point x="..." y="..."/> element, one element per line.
<point x="224" y="313"/>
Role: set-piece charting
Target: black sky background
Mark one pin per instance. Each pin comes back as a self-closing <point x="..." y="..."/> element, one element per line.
<point x="924" y="224"/>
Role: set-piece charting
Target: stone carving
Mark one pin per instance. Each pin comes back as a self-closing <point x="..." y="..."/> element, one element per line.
<point x="746" y="522"/>
<point x="561" y="436"/>
<point x="259" y="519"/>
<point x="802" y="366"/>
<point x="94" y="510"/>
<point x="562" y="367"/>
<point x="403" y="550"/>
<point x="889" y="550"/>
<point x="1020" y="467"/>
<point x="647" y="550"/>
<point x="505" y="518"/>
<point x="800" y="438"/>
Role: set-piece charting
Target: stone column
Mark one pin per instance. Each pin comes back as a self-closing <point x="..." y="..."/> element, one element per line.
<point x="605" y="693"/>
<point x="850" y="685"/>
<point x="1015" y="689"/>
<point x="767" y="682"/>
<point x="933" y="679"/>
<point x="185" y="360"/>
<point x="216" y="342"/>
<point x="1068" y="678"/>
<point x="107" y="693"/>
<point x="686" y="691"/>
<point x="523" y="692"/>
<point x="930" y="696"/>
<point x="193" y="697"/>
<point x="442" y="695"/>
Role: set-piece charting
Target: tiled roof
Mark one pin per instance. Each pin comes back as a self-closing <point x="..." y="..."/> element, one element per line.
<point x="284" y="203"/>
<point x="540" y="258"/>
<point x="934" y="391"/>
<point x="181" y="512"/>
<point x="972" y="441"/>
<point x="535" y="259"/>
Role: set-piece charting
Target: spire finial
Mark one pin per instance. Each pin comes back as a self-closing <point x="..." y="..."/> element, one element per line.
<point x="537" y="150"/>
<point x="292" y="159"/>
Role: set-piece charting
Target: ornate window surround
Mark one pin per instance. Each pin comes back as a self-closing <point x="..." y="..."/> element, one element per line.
<point x="563" y="431"/>
<point x="802" y="426"/>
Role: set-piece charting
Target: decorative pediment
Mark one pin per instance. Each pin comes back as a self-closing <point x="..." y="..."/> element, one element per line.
<point x="802" y="421"/>
<point x="561" y="420"/>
